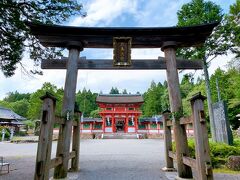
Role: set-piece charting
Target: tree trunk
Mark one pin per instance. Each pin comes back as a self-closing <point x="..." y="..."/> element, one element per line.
<point x="209" y="99"/>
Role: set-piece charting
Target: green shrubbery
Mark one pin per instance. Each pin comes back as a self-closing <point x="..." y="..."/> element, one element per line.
<point x="20" y="133"/>
<point x="219" y="152"/>
<point x="7" y="132"/>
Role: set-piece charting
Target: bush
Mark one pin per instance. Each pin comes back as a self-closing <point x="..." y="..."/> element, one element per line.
<point x="21" y="133"/>
<point x="191" y="147"/>
<point x="29" y="124"/>
<point x="219" y="152"/>
<point x="236" y="142"/>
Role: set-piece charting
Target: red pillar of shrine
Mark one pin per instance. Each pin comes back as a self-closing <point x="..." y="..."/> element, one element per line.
<point x="113" y="124"/>
<point x="136" y="123"/>
<point x="126" y="124"/>
<point x="103" y="123"/>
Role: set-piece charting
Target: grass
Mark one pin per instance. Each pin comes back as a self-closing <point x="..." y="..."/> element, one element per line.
<point x="24" y="139"/>
<point x="225" y="170"/>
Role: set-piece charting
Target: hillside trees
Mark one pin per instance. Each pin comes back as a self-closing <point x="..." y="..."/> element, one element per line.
<point x="154" y="100"/>
<point x="34" y="112"/>
<point x="16" y="96"/>
<point x="114" y="90"/>
<point x="86" y="101"/>
<point x="18" y="102"/>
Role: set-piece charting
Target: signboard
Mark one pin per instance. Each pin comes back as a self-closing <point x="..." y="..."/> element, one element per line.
<point x="122" y="51"/>
<point x="222" y="132"/>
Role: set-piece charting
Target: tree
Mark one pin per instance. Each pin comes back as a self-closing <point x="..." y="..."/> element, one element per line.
<point x="15" y="36"/>
<point x="16" y="96"/>
<point x="87" y="101"/>
<point x="17" y="102"/>
<point x="21" y="107"/>
<point x="124" y="91"/>
<point x="95" y="113"/>
<point x="200" y="12"/>
<point x="232" y="21"/>
<point x="34" y="111"/>
<point x="186" y="85"/>
<point x="114" y="91"/>
<point x="153" y="100"/>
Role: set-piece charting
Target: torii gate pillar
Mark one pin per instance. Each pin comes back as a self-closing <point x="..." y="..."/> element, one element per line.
<point x="65" y="131"/>
<point x="176" y="108"/>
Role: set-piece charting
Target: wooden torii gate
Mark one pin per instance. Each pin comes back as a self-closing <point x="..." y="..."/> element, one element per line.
<point x="75" y="39"/>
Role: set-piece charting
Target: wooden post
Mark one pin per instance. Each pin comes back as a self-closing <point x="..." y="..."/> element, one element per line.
<point x="202" y="151"/>
<point x="76" y="144"/>
<point x="63" y="146"/>
<point x="167" y="142"/>
<point x="45" y="138"/>
<point x="180" y="136"/>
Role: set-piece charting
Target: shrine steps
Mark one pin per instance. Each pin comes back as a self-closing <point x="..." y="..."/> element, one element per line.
<point x="119" y="136"/>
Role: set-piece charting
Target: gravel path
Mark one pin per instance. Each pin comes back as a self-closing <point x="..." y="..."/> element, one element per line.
<point x="109" y="159"/>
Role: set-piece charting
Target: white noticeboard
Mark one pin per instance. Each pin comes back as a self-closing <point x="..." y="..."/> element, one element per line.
<point x="131" y="129"/>
<point x="108" y="129"/>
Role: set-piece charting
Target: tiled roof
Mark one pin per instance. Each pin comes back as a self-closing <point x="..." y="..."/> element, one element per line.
<point x="151" y="119"/>
<point x="11" y="122"/>
<point x="9" y="114"/>
<point x="88" y="119"/>
<point x="119" y="98"/>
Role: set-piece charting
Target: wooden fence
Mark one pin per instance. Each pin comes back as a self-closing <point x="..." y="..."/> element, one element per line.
<point x="202" y="163"/>
<point x="43" y="161"/>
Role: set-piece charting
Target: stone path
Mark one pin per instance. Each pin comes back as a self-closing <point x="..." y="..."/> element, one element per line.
<point x="107" y="159"/>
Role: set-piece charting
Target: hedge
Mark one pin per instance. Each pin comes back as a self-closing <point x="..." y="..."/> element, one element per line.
<point x="219" y="152"/>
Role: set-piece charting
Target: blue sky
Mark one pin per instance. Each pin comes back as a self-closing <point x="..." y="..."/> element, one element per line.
<point x="113" y="13"/>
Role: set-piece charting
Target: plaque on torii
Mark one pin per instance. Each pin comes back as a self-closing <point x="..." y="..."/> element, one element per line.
<point x="122" y="51"/>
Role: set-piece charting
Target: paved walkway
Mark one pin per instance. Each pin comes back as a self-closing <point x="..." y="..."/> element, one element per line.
<point x="109" y="159"/>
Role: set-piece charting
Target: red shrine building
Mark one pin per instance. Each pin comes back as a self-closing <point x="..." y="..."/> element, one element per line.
<point x="120" y="113"/>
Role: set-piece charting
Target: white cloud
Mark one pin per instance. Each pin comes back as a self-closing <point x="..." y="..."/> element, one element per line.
<point x="102" y="13"/>
<point x="159" y="13"/>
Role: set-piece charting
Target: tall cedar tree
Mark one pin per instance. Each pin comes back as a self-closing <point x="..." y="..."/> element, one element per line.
<point x="199" y="12"/>
<point x="232" y="21"/>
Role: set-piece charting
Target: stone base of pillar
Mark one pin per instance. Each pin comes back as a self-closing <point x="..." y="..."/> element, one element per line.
<point x="168" y="169"/>
<point x="59" y="179"/>
<point x="74" y="170"/>
<point x="179" y="178"/>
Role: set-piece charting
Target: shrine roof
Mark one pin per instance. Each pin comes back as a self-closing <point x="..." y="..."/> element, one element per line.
<point x="102" y="37"/>
<point x="8" y="114"/>
<point x="119" y="98"/>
